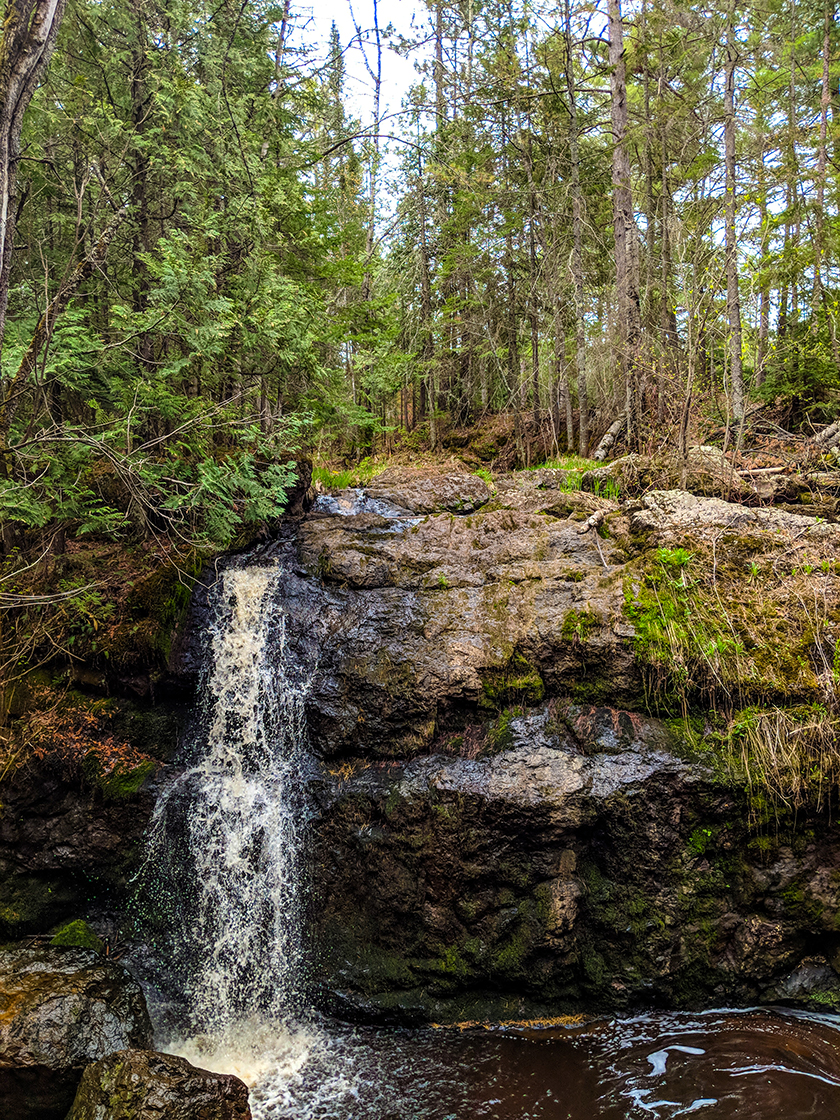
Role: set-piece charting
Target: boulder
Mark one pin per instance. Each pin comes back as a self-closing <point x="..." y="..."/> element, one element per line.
<point x="146" y="1085"/>
<point x="427" y="490"/>
<point x="61" y="1009"/>
<point x="417" y="624"/>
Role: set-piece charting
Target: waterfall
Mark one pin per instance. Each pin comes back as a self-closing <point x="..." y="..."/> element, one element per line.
<point x="224" y="854"/>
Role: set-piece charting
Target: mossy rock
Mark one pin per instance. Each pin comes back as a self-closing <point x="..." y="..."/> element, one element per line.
<point x="154" y="608"/>
<point x="518" y="682"/>
<point x="33" y="902"/>
<point x="77" y="935"/>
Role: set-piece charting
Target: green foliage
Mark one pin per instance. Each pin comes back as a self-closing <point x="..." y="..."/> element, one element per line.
<point x="351" y="477"/>
<point x="517" y="683"/>
<point x="579" y="625"/>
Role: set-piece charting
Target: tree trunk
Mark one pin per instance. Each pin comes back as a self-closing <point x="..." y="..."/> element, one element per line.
<point x="626" y="260"/>
<point x="577" y="238"/>
<point x="30" y="28"/>
<point x="733" y="299"/>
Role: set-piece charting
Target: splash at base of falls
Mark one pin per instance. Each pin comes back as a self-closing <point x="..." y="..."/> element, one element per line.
<point x="716" y="1065"/>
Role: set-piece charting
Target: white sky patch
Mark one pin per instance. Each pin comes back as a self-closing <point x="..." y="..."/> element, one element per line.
<point x="406" y="17"/>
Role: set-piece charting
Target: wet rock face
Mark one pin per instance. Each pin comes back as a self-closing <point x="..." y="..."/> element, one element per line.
<point x="59" y="1011"/>
<point x="61" y="843"/>
<point x="417" y="624"/>
<point x="145" y="1085"/>
<point x="498" y="825"/>
<point x="587" y="866"/>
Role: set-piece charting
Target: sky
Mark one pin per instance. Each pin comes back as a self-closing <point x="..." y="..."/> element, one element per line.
<point x="398" y="74"/>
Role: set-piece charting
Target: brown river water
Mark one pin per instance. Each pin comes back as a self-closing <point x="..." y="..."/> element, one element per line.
<point x="716" y="1065"/>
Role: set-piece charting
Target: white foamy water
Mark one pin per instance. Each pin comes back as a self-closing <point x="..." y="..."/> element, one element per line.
<point x="226" y="842"/>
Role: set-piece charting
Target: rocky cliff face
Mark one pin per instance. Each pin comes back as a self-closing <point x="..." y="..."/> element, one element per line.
<point x="501" y="823"/>
<point x="587" y="865"/>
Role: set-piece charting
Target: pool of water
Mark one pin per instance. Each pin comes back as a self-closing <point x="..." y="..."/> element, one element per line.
<point x="717" y="1065"/>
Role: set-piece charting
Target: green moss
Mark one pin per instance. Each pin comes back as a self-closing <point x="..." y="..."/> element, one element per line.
<point x="393" y="801"/>
<point x="29" y="903"/>
<point x="122" y="783"/>
<point x="518" y="682"/>
<point x="578" y="626"/>
<point x="155" y="607"/>
<point x="700" y="839"/>
<point x="499" y="734"/>
<point x="451" y="963"/>
<point x="801" y="906"/>
<point x="77" y="935"/>
<point x="594" y="966"/>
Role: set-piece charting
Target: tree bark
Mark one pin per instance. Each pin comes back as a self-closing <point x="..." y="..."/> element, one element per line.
<point x="30" y="28"/>
<point x="626" y="260"/>
<point x="577" y="237"/>
<point x="733" y="299"/>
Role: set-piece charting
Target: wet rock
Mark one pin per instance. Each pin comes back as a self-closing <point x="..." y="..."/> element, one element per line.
<point x="425" y="490"/>
<point x="814" y="980"/>
<point x="420" y="625"/>
<point x="61" y="1009"/>
<point x="590" y="864"/>
<point x="59" y="843"/>
<point x="145" y="1085"/>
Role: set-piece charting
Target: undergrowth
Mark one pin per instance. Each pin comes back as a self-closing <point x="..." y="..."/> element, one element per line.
<point x="751" y="639"/>
<point x="347" y="478"/>
<point x="791" y="755"/>
<point x="72" y="738"/>
<point x="567" y="463"/>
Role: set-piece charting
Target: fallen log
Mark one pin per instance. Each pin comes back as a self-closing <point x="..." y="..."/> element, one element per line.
<point x="608" y="439"/>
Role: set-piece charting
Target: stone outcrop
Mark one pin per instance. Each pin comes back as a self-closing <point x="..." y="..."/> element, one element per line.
<point x="62" y="843"/>
<point x="498" y="824"/>
<point x="424" y="490"/>
<point x="419" y="626"/>
<point x="145" y="1085"/>
<point x="61" y="1009"/>
<point x="591" y="864"/>
<point x="419" y="622"/>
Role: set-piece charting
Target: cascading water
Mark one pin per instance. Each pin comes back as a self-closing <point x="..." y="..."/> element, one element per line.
<point x="224" y="853"/>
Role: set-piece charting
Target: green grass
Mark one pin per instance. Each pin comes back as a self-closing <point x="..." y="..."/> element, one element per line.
<point x="567" y="463"/>
<point x="360" y="475"/>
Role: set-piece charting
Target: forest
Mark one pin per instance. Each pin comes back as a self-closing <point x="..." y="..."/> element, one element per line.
<point x="582" y="220"/>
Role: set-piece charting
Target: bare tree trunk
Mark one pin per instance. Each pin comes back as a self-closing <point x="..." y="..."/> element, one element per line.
<point x="626" y="259"/>
<point x="30" y="28"/>
<point x="733" y="299"/>
<point x="763" y="291"/>
<point x="820" y="301"/>
<point x="577" y="239"/>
